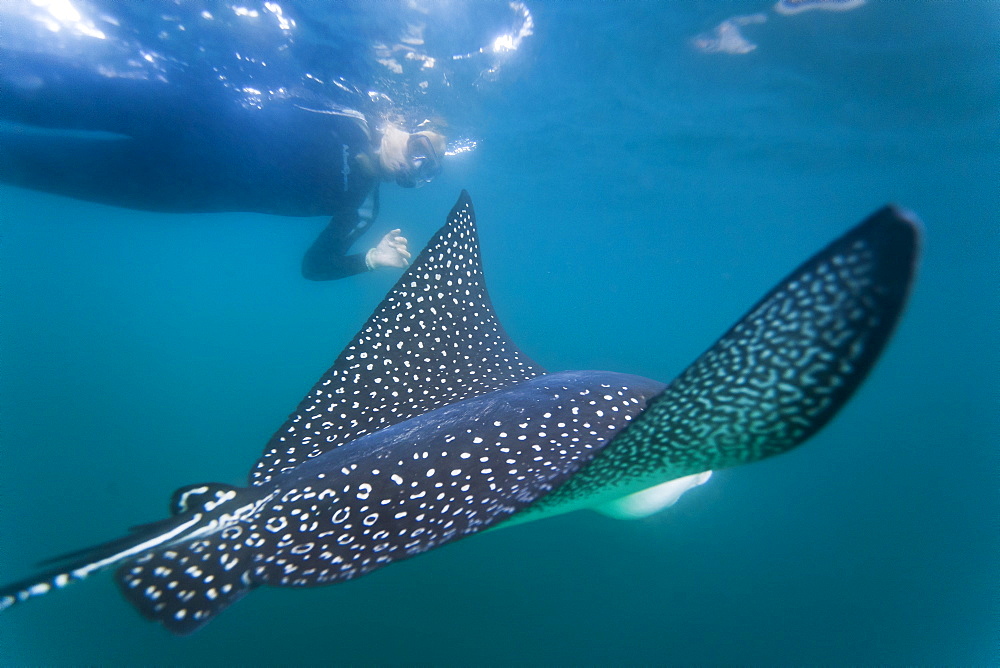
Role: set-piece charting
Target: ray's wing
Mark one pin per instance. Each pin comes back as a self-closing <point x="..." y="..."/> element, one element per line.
<point x="433" y="340"/>
<point x="778" y="375"/>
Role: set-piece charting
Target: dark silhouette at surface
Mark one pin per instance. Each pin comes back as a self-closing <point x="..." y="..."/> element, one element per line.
<point x="200" y="146"/>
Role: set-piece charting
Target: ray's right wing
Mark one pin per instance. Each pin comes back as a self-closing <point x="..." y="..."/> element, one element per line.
<point x="778" y="375"/>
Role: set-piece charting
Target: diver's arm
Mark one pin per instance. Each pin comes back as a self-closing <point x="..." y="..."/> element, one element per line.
<point x="327" y="259"/>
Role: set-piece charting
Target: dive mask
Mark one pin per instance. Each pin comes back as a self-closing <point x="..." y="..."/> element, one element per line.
<point x="422" y="161"/>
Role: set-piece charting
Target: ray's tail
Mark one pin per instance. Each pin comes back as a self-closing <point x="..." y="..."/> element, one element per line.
<point x="181" y="571"/>
<point x="781" y="372"/>
<point x="79" y="565"/>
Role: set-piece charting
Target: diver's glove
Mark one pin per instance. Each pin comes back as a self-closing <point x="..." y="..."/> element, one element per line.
<point x="390" y="252"/>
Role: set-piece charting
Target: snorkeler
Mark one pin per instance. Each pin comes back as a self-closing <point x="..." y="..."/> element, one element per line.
<point x="201" y="146"/>
<point x="409" y="159"/>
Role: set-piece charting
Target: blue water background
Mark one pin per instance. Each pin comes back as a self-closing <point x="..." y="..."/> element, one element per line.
<point x="634" y="197"/>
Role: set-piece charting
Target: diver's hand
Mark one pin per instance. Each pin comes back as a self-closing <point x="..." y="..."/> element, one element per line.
<point x="390" y="252"/>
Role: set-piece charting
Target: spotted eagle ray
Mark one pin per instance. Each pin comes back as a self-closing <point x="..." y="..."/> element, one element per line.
<point x="432" y="426"/>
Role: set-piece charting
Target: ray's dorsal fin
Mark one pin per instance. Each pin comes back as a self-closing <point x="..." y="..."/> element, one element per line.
<point x="433" y="340"/>
<point x="777" y="376"/>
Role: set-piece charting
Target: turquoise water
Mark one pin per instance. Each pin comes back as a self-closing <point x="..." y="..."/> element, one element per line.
<point x="634" y="196"/>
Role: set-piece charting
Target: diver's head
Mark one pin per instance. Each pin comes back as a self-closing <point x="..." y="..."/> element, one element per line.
<point x="410" y="160"/>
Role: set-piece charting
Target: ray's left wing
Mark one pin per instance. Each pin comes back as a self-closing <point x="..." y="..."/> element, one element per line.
<point x="433" y="340"/>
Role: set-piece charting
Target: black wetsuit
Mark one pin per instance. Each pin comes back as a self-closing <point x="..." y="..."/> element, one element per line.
<point x="189" y="148"/>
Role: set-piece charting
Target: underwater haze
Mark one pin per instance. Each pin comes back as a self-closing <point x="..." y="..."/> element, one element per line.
<point x="642" y="173"/>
